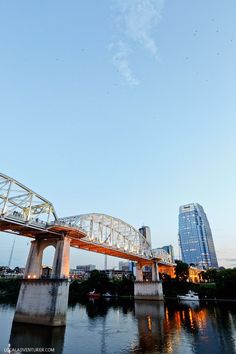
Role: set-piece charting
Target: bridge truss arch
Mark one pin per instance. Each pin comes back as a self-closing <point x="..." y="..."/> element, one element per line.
<point x="107" y="232"/>
<point x="20" y="204"/>
<point x="24" y="212"/>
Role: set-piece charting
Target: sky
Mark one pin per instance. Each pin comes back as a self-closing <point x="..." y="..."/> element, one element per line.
<point x="123" y="107"/>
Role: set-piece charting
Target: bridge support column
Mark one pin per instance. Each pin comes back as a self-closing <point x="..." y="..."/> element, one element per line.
<point x="149" y="290"/>
<point x="139" y="272"/>
<point x="155" y="272"/>
<point x="44" y="300"/>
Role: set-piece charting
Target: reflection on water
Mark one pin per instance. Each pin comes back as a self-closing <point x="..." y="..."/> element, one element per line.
<point x="185" y="328"/>
<point x="109" y="326"/>
<point x="33" y="336"/>
<point x="150" y="318"/>
<point x="193" y="304"/>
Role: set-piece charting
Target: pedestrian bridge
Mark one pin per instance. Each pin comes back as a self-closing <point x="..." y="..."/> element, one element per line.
<point x="44" y="301"/>
<point x="26" y="213"/>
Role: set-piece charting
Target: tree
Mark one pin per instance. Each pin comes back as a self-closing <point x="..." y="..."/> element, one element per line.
<point x="98" y="281"/>
<point x="209" y="275"/>
<point x="181" y="271"/>
<point x="226" y="283"/>
<point x="16" y="270"/>
<point x="165" y="277"/>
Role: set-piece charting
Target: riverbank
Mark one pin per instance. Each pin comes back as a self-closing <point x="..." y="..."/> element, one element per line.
<point x="202" y="300"/>
<point x="206" y="291"/>
<point x="101" y="284"/>
<point x="9" y="290"/>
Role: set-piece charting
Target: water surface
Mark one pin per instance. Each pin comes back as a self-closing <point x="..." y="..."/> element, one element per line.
<point x="129" y="327"/>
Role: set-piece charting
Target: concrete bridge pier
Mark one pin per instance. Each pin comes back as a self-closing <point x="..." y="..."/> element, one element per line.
<point x="44" y="300"/>
<point x="148" y="290"/>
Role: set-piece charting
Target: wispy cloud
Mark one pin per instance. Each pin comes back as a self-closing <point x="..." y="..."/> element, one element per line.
<point x="136" y="21"/>
<point x="121" y="63"/>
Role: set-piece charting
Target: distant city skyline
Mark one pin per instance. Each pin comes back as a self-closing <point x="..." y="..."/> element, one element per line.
<point x="191" y="208"/>
<point x="126" y="108"/>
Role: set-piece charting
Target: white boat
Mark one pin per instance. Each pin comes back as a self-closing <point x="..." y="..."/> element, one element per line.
<point x="191" y="295"/>
<point x="107" y="295"/>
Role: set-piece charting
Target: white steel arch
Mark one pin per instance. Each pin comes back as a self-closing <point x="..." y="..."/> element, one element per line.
<point x="26" y="213"/>
<point x="113" y="233"/>
<point x="22" y="205"/>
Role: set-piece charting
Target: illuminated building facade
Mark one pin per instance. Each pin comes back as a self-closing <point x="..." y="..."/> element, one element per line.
<point x="195" y="237"/>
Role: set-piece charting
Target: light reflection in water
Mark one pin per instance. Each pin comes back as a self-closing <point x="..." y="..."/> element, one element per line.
<point x="149" y="319"/>
<point x="135" y="327"/>
<point x="179" y="328"/>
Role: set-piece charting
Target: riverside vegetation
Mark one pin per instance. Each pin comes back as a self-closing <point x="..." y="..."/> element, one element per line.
<point x="219" y="284"/>
<point x="215" y="284"/>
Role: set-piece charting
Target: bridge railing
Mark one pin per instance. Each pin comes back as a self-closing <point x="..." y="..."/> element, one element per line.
<point x="161" y="254"/>
<point x="20" y="218"/>
<point x="20" y="203"/>
<point x="110" y="232"/>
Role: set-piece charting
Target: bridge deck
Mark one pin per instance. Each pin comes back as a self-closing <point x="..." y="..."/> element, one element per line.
<point x="78" y="241"/>
<point x="26" y="213"/>
<point x="77" y="238"/>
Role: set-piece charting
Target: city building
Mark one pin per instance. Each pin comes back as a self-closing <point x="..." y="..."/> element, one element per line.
<point x="146" y="232"/>
<point x="195" y="275"/>
<point x="85" y="268"/>
<point x="6" y="272"/>
<point x="170" y="250"/>
<point x="195" y="237"/>
<point x="126" y="266"/>
<point x="117" y="274"/>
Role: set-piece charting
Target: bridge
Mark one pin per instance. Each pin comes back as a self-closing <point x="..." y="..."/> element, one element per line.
<point x="26" y="213"/>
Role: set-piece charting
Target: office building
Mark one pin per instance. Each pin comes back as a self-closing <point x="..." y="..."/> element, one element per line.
<point x="195" y="237"/>
<point x="85" y="268"/>
<point x="170" y="249"/>
<point x="146" y="232"/>
<point x="126" y="266"/>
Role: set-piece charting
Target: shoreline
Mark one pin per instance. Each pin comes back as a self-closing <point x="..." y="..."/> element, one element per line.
<point x="205" y="300"/>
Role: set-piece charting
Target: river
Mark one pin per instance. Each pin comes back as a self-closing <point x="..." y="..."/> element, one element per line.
<point x="126" y="327"/>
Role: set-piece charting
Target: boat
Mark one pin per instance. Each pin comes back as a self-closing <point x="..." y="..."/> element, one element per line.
<point x="107" y="295"/>
<point x="190" y="296"/>
<point x="93" y="294"/>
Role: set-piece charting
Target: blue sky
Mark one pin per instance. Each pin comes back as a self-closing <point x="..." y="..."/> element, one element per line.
<point x="126" y="108"/>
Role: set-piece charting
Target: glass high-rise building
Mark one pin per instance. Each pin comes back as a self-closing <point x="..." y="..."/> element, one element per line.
<point x="195" y="237"/>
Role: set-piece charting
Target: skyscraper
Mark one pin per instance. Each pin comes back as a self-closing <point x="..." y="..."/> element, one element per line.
<point x="195" y="237"/>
